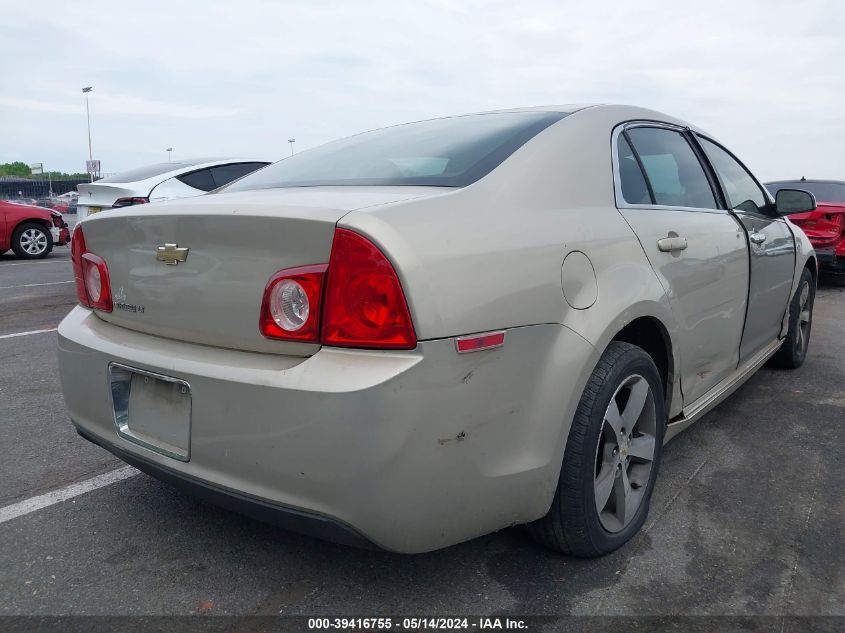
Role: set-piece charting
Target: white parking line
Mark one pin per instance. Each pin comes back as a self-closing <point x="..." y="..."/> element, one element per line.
<point x="16" y="334"/>
<point x="52" y="261"/>
<point x="32" y="504"/>
<point x="49" y="283"/>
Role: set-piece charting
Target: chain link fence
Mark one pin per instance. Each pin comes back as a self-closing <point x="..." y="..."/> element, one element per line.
<point x="50" y="193"/>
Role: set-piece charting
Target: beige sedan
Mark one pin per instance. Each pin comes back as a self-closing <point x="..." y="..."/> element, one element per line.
<point x="424" y="333"/>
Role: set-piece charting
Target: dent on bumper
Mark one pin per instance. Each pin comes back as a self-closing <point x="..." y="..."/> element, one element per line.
<point x="411" y="450"/>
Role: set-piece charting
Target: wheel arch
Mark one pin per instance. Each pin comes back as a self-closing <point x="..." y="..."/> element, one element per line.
<point x="813" y="265"/>
<point x="30" y="220"/>
<point x="651" y="335"/>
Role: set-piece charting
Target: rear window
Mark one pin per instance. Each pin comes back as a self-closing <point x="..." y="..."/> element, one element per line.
<point x="142" y="173"/>
<point x="450" y="152"/>
<point x="200" y="179"/>
<point x="224" y="174"/>
<point x="823" y="191"/>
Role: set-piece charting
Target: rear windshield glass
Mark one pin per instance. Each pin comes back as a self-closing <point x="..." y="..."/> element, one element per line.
<point x="824" y="191"/>
<point x="451" y="152"/>
<point x="142" y="173"/>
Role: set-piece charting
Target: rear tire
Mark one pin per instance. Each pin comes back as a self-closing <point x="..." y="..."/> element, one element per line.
<point x="793" y="352"/>
<point x="32" y="241"/>
<point x="608" y="471"/>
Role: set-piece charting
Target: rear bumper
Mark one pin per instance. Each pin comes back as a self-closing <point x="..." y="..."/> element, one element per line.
<point x="288" y="518"/>
<point x="829" y="259"/>
<point x="411" y="451"/>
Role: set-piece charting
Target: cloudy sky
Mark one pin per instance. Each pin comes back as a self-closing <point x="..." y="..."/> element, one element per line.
<point x="238" y="78"/>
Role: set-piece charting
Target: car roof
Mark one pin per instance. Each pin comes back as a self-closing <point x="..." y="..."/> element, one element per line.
<point x="160" y="171"/>
<point x="802" y="179"/>
<point x="567" y="108"/>
<point x="620" y="112"/>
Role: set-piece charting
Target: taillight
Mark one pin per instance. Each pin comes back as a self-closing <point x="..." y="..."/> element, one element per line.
<point x="128" y="202"/>
<point x="91" y="275"/>
<point x="364" y="303"/>
<point x="291" y="306"/>
<point x="354" y="301"/>
<point x="77" y="247"/>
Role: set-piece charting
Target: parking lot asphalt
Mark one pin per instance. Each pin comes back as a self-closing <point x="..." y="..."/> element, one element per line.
<point x="746" y="518"/>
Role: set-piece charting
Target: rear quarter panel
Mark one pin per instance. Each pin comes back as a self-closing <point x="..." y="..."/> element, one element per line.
<point x="804" y="253"/>
<point x="489" y="256"/>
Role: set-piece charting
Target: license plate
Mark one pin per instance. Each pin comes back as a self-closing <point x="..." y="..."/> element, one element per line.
<point x="152" y="410"/>
<point x="94" y="210"/>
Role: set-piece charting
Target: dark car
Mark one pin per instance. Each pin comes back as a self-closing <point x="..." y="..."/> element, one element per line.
<point x="826" y="225"/>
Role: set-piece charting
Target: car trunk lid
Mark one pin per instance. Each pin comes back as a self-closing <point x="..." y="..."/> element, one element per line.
<point x="104" y="195"/>
<point x="235" y="242"/>
<point x="825" y="226"/>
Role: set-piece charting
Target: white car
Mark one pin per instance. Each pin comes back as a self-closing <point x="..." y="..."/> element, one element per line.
<point x="162" y="181"/>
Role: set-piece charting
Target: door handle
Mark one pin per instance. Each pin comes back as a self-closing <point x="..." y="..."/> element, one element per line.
<point x="757" y="238"/>
<point x="672" y="244"/>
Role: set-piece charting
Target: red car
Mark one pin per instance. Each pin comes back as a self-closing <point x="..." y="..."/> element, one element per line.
<point x="31" y="232"/>
<point x="826" y="225"/>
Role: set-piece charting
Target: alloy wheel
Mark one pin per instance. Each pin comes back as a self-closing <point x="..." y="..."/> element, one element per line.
<point x="803" y="317"/>
<point x="33" y="241"/>
<point x="625" y="453"/>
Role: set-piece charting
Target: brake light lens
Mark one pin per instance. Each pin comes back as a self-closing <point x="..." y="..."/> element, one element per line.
<point x="90" y="274"/>
<point x="77" y="247"/>
<point x="355" y="300"/>
<point x="97" y="282"/>
<point x="93" y="283"/>
<point x="290" y="309"/>
<point x="129" y="202"/>
<point x="364" y="303"/>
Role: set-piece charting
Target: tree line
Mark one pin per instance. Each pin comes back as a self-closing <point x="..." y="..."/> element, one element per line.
<point x="19" y="168"/>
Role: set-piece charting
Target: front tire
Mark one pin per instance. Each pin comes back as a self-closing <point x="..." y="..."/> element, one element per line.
<point x="793" y="352"/>
<point x="32" y="241"/>
<point x="611" y="459"/>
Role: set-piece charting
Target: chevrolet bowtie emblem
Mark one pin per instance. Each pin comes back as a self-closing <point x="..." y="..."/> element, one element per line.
<point x="171" y="254"/>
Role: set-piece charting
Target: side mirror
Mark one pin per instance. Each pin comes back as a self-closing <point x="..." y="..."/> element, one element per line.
<point x="789" y="201"/>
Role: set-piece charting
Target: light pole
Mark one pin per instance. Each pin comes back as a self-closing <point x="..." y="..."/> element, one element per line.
<point x="85" y="91"/>
<point x="291" y="141"/>
<point x="169" y="149"/>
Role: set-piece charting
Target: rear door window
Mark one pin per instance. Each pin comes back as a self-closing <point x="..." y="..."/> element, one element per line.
<point x="631" y="179"/>
<point x="673" y="170"/>
<point x="742" y="190"/>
